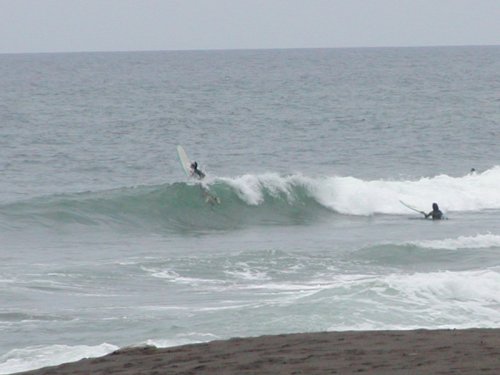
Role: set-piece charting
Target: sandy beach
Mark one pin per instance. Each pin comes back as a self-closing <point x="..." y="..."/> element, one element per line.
<point x="471" y="351"/>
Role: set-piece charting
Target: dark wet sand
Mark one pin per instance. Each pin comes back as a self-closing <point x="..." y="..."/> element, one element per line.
<point x="471" y="351"/>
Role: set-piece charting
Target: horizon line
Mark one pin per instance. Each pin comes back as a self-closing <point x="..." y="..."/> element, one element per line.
<point x="247" y="49"/>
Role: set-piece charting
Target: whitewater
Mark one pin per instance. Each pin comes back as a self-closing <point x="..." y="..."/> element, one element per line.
<point x="105" y="243"/>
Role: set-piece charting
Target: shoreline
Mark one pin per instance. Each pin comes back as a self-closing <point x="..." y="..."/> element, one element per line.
<point x="467" y="351"/>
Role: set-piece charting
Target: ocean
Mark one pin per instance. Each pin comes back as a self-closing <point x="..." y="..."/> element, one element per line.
<point x="105" y="242"/>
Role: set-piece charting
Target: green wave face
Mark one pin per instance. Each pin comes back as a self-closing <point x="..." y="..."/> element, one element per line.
<point x="177" y="207"/>
<point x="248" y="200"/>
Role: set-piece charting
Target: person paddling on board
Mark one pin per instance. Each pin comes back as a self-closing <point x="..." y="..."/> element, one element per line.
<point x="195" y="172"/>
<point x="436" y="213"/>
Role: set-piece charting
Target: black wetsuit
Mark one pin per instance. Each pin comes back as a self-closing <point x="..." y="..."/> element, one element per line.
<point x="199" y="174"/>
<point x="196" y="172"/>
<point x="435" y="214"/>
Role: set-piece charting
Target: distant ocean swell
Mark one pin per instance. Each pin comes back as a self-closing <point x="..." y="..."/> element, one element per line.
<point x="463" y="252"/>
<point x="253" y="200"/>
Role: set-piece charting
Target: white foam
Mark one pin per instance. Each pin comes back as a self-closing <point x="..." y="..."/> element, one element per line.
<point x="350" y="195"/>
<point x="35" y="357"/>
<point x="424" y="300"/>
<point x="468" y="193"/>
<point x="250" y="188"/>
<point x="184" y="339"/>
<point x="480" y="241"/>
<point x="174" y="277"/>
<point x="245" y="272"/>
<point x="441" y="288"/>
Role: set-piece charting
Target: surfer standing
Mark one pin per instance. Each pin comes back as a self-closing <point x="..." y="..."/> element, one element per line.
<point x="195" y="172"/>
<point x="436" y="213"/>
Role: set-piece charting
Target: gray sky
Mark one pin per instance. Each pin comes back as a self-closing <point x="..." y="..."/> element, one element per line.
<point x="124" y="25"/>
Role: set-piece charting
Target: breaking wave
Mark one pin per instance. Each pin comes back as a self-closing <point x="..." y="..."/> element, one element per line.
<point x="266" y="199"/>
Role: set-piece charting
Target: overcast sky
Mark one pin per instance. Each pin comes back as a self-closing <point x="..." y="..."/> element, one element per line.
<point x="126" y="25"/>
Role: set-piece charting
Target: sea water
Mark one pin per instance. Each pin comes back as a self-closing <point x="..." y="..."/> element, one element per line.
<point x="104" y="242"/>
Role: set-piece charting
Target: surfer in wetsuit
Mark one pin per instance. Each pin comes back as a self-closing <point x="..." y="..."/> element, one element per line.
<point x="209" y="197"/>
<point x="436" y="213"/>
<point x="195" y="172"/>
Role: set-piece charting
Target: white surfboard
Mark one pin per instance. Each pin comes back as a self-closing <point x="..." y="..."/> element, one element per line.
<point x="185" y="162"/>
<point x="412" y="208"/>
